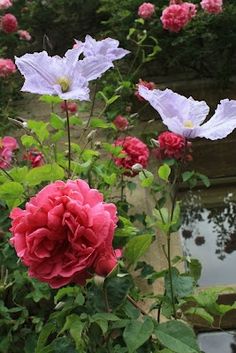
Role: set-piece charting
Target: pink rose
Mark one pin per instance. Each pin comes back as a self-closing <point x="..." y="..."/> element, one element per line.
<point x="212" y="6"/>
<point x="24" y="35"/>
<point x="4" y="4"/>
<point x="177" y="15"/>
<point x="64" y="232"/>
<point x="135" y="151"/>
<point x="9" y="23"/>
<point x="146" y="10"/>
<point x="7" y="145"/>
<point x="7" y="67"/>
<point x="121" y="122"/>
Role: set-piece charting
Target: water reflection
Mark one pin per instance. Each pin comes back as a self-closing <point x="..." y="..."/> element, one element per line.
<point x="209" y="234"/>
<point x="217" y="342"/>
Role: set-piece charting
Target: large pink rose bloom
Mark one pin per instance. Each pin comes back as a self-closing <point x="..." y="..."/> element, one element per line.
<point x="177" y="15"/>
<point x="5" y="4"/>
<point x="212" y="6"/>
<point x="64" y="233"/>
<point x="146" y="10"/>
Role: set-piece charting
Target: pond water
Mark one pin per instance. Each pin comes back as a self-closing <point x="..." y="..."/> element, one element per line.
<point x="218" y="342"/>
<point x="209" y="234"/>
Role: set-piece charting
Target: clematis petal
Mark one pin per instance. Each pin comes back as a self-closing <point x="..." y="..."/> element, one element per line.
<point x="176" y="126"/>
<point x="38" y="72"/>
<point x="93" y="67"/>
<point x="222" y="123"/>
<point x="170" y="104"/>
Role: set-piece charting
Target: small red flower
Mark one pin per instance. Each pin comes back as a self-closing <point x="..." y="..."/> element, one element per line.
<point x="35" y="157"/>
<point x="172" y="145"/>
<point x="9" y="23"/>
<point x="24" y="35"/>
<point x="71" y="106"/>
<point x="7" y="145"/>
<point x="121" y="122"/>
<point x="134" y="151"/>
<point x="149" y="85"/>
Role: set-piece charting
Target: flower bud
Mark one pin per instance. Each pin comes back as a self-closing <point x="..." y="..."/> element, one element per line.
<point x="137" y="168"/>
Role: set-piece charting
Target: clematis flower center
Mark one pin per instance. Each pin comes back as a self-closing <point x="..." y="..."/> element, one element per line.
<point x="64" y="82"/>
<point x="189" y="124"/>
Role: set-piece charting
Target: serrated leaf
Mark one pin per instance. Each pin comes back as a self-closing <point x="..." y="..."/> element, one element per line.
<point x="177" y="336"/>
<point x="28" y="141"/>
<point x="75" y="327"/>
<point x="57" y="122"/>
<point x="187" y="175"/>
<point x="137" y="247"/>
<point x="136" y="333"/>
<point x="99" y="123"/>
<point x="47" y="172"/>
<point x="75" y="120"/>
<point x="146" y="178"/>
<point x="117" y="289"/>
<point x="39" y="128"/>
<point x="43" y="337"/>
<point x="12" y="193"/>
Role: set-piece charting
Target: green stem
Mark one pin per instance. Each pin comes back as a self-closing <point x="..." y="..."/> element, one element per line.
<point x="170" y="275"/>
<point x="69" y="138"/>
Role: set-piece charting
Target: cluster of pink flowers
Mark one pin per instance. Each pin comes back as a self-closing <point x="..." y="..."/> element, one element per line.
<point x="148" y="84"/>
<point x="5" y="4"/>
<point x="121" y="123"/>
<point x="171" y="145"/>
<point x="134" y="151"/>
<point x="177" y="15"/>
<point x="7" y="67"/>
<point x="71" y="106"/>
<point x="7" y="146"/>
<point x="212" y="6"/>
<point x="146" y="10"/>
<point x="35" y="157"/>
<point x="64" y="234"/>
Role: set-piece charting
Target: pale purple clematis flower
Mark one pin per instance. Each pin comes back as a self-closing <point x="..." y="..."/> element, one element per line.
<point x="107" y="47"/>
<point x="66" y="77"/>
<point x="185" y="116"/>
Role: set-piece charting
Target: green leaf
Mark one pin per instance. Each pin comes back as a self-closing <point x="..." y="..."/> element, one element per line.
<point x="201" y="313"/>
<point x="47" y="172"/>
<point x="57" y="136"/>
<point x="117" y="289"/>
<point x="66" y="291"/>
<point x="99" y="123"/>
<point x="164" y="172"/>
<point x="137" y="333"/>
<point x="195" y="269"/>
<point x="19" y="173"/>
<point x="182" y="285"/>
<point x="28" y="141"/>
<point x="43" y="337"/>
<point x="112" y="99"/>
<point x="12" y="193"/>
<point x="75" y="120"/>
<point x="137" y="247"/>
<point x="204" y="179"/>
<point x="57" y="122"/>
<point x="114" y="150"/>
<point x="146" y="178"/>
<point x="50" y="99"/>
<point x="177" y="336"/>
<point x="186" y="176"/>
<point x="105" y="316"/>
<point x="39" y="128"/>
<point x="110" y="179"/>
<point x="75" y="327"/>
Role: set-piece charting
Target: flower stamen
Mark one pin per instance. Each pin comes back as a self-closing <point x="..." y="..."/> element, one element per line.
<point x="189" y="124"/>
<point x="64" y="82"/>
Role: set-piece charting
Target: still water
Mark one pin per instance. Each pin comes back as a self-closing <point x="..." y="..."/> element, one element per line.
<point x="209" y="234"/>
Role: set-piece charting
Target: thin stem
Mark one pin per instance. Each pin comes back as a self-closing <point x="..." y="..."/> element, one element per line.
<point x="7" y="174"/>
<point x="170" y="275"/>
<point x="69" y="139"/>
<point x="122" y="188"/>
<point x="135" y="304"/>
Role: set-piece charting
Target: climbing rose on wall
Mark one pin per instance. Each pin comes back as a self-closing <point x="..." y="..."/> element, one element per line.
<point x="146" y="10"/>
<point x="64" y="233"/>
<point x="212" y="6"/>
<point x="135" y="151"/>
<point x="7" y="67"/>
<point x="9" y="23"/>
